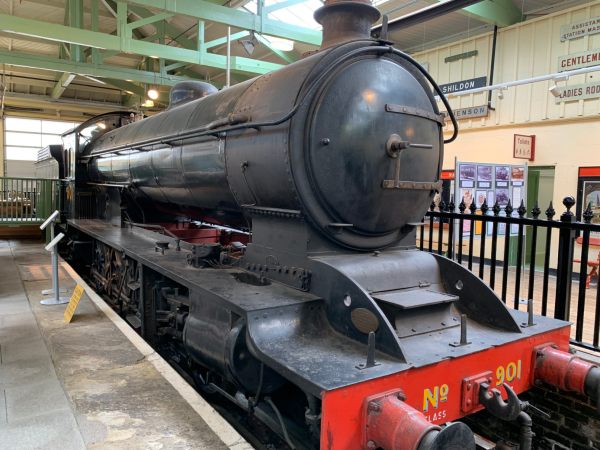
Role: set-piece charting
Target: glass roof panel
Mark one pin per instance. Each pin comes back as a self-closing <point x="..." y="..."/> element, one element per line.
<point x="300" y="15"/>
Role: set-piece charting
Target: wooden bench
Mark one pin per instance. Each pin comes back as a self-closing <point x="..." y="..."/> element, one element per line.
<point x="593" y="264"/>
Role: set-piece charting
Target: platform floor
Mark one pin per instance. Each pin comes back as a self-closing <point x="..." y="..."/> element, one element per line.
<point x="87" y="384"/>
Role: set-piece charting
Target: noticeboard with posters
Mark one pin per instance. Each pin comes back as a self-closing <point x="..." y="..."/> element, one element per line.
<point x="476" y="182"/>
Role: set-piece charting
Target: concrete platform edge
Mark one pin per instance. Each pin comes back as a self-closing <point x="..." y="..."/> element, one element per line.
<point x="213" y="419"/>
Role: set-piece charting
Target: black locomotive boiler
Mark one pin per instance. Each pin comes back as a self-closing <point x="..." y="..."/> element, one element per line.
<point x="263" y="238"/>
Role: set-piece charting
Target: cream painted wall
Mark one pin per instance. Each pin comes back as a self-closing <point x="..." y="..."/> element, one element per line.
<point x="523" y="51"/>
<point x="567" y="134"/>
<point x="566" y="145"/>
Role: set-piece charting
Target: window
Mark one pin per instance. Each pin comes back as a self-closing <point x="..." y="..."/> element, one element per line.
<point x="23" y="138"/>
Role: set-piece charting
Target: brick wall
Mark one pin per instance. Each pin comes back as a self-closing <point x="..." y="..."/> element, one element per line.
<point x="574" y="422"/>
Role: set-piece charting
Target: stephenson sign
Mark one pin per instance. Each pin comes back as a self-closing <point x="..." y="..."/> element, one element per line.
<point x="578" y="60"/>
<point x="469" y="113"/>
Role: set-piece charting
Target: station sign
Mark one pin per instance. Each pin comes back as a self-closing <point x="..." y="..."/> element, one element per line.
<point x="464" y="85"/>
<point x="579" y="60"/>
<point x="524" y="147"/>
<point x="469" y="113"/>
<point x="580" y="29"/>
<point x="460" y="56"/>
<point x="578" y="92"/>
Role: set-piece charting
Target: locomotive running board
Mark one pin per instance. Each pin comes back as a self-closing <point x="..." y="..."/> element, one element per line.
<point x="289" y="330"/>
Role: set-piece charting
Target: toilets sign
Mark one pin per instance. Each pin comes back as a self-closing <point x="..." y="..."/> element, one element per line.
<point x="524" y="147"/>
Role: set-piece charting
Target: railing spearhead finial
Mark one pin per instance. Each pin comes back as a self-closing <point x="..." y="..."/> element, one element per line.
<point x="588" y="214"/>
<point x="522" y="210"/>
<point x="550" y="212"/>
<point x="462" y="206"/>
<point x="473" y="207"/>
<point x="484" y="207"/>
<point x="508" y="209"/>
<point x="451" y="205"/>
<point x="496" y="209"/>
<point x="536" y="211"/>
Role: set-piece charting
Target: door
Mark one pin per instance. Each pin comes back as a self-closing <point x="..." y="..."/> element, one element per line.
<point x="540" y="187"/>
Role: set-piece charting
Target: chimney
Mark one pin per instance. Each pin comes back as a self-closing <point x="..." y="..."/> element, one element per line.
<point x="346" y="20"/>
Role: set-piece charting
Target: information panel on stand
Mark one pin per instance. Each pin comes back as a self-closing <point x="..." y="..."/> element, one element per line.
<point x="476" y="182"/>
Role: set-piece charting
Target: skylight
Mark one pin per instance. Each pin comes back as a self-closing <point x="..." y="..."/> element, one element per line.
<point x="300" y="15"/>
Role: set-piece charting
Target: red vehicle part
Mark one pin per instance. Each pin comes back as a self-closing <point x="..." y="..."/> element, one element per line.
<point x="565" y="370"/>
<point x="435" y="391"/>
<point x="392" y="424"/>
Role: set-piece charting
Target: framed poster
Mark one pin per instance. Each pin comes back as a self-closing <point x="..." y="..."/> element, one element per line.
<point x="484" y="176"/>
<point x="502" y="176"/>
<point x="588" y="193"/>
<point x="466" y="175"/>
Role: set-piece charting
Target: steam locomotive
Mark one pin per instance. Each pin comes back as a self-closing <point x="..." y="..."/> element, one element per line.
<point x="263" y="237"/>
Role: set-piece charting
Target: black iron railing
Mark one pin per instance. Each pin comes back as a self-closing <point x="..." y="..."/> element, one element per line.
<point x="523" y="256"/>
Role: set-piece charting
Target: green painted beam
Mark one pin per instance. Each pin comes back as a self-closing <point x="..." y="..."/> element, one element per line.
<point x="125" y="44"/>
<point x="202" y="9"/>
<point x="74" y="52"/>
<point x="127" y="86"/>
<point x="61" y="85"/>
<point x="149" y="20"/>
<point x="174" y="66"/>
<point x="223" y="40"/>
<point x="76" y="21"/>
<point x="93" y="70"/>
<point x="74" y="18"/>
<point x="95" y="15"/>
<point x="171" y="30"/>
<point x="283" y="55"/>
<point x="498" y="12"/>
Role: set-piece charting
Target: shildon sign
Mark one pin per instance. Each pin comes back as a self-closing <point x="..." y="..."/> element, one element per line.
<point x="464" y="85"/>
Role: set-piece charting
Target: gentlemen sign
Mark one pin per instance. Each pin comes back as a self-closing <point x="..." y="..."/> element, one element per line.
<point x="469" y="113"/>
<point x="578" y="60"/>
<point x="465" y="85"/>
<point x="524" y="147"/>
<point x="578" y="92"/>
<point x="580" y="29"/>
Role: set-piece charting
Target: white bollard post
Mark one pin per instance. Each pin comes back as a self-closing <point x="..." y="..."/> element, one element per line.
<point x="51" y="247"/>
<point x="50" y="222"/>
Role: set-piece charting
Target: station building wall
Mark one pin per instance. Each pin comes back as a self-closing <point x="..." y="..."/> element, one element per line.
<point x="567" y="133"/>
